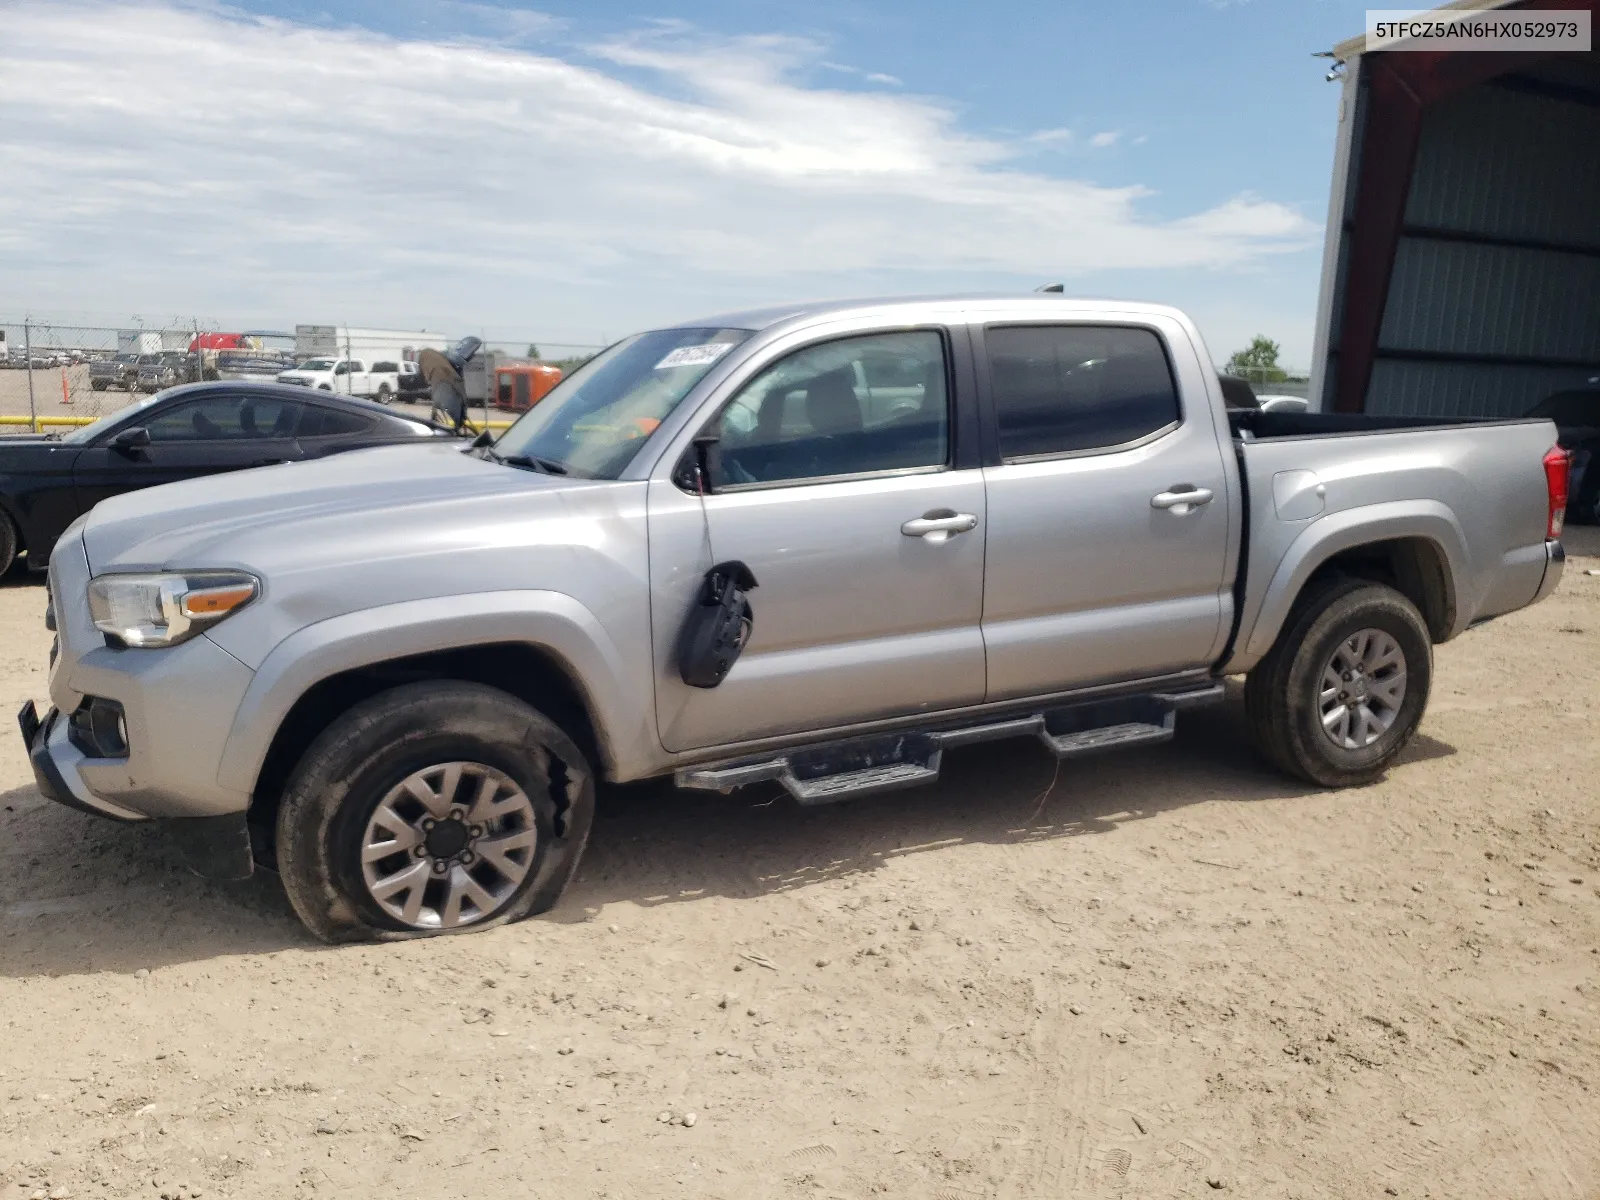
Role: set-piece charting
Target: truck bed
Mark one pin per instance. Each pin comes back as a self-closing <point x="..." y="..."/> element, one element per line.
<point x="1461" y="503"/>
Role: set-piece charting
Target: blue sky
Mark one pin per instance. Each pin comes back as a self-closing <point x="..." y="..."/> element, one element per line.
<point x="568" y="171"/>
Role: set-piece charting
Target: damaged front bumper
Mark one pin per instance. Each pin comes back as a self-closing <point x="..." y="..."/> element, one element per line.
<point x="215" y="847"/>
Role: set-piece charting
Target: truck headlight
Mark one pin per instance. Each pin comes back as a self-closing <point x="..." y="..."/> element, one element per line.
<point x="165" y="609"/>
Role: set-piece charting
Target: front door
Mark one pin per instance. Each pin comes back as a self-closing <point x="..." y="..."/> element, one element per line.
<point x="835" y="483"/>
<point x="1108" y="511"/>
<point x="222" y="431"/>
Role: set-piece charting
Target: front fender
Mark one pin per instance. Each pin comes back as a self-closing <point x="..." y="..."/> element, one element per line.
<point x="550" y="620"/>
<point x="1345" y="530"/>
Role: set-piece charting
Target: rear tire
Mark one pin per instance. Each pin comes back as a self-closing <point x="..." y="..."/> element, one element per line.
<point x="1342" y="691"/>
<point x="511" y="821"/>
<point x="8" y="544"/>
<point x="383" y="393"/>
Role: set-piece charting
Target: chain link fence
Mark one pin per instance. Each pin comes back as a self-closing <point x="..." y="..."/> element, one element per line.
<point x="56" y="376"/>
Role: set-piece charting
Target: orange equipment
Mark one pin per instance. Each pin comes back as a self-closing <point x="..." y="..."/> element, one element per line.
<point x="519" y="386"/>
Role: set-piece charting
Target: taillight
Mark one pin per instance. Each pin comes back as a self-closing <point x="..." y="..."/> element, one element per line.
<point x="1557" y="464"/>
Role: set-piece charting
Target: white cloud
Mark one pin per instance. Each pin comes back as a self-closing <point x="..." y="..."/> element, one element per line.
<point x="513" y="24"/>
<point x="160" y="157"/>
<point x="1052" y="137"/>
<point x="1110" y="137"/>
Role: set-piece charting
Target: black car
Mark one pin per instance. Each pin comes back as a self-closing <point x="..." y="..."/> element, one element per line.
<point x="1576" y="413"/>
<point x="47" y="480"/>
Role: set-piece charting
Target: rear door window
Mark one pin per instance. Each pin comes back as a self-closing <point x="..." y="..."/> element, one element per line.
<point x="1065" y="389"/>
<point x="331" y="422"/>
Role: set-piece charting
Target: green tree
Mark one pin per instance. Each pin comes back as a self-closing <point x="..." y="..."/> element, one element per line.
<point x="1258" y="362"/>
<point x="533" y="351"/>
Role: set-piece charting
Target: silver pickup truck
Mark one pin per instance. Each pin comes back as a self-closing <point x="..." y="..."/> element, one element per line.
<point x="816" y="545"/>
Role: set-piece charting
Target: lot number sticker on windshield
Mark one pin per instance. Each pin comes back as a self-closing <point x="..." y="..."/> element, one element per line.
<point x="695" y="356"/>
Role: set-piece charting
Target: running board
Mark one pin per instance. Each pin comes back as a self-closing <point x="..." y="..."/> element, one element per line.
<point x="832" y="771"/>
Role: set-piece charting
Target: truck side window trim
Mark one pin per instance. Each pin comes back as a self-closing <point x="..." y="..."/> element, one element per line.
<point x="947" y="357"/>
<point x="1154" y="435"/>
<point x="730" y="489"/>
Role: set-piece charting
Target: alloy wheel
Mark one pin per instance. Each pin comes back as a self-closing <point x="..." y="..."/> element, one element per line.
<point x="1363" y="686"/>
<point x="449" y="845"/>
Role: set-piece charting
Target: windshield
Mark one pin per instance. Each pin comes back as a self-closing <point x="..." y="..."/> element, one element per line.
<point x="595" y="420"/>
<point x="316" y="364"/>
<point x="87" y="433"/>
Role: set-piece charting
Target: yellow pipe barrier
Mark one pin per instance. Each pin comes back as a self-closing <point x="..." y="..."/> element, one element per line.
<point x="475" y="426"/>
<point x="35" y="421"/>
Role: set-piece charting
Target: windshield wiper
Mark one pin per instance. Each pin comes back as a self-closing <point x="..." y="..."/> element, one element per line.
<point x="547" y="465"/>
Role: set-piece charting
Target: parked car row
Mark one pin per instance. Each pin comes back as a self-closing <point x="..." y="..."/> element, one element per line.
<point x="43" y="359"/>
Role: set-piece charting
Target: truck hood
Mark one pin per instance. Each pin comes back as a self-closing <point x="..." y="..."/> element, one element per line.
<point x="300" y="512"/>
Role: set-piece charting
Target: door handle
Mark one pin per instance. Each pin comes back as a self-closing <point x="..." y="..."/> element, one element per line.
<point x="937" y="526"/>
<point x="1182" y="500"/>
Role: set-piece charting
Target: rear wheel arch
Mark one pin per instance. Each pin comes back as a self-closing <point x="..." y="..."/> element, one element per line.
<point x="1416" y="567"/>
<point x="1415" y="547"/>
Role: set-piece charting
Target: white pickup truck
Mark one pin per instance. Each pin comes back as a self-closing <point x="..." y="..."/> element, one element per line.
<point x="351" y="376"/>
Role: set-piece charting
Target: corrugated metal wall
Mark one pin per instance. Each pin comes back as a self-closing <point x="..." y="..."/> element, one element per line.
<point x="1497" y="166"/>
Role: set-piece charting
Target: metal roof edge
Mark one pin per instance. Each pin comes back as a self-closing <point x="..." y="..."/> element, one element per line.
<point x="1352" y="47"/>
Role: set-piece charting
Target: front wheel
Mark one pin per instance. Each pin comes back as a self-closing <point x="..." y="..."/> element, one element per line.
<point x="1343" y="689"/>
<point x="383" y="393"/>
<point x="435" y="807"/>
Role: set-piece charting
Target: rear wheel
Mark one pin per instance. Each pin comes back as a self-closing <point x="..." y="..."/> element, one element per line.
<point x="433" y="808"/>
<point x="1343" y="690"/>
<point x="383" y="393"/>
<point x="8" y="543"/>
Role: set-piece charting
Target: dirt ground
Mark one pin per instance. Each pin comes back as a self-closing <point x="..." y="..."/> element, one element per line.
<point x="1175" y="973"/>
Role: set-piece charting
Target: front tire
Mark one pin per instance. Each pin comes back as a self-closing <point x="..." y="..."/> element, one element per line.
<point x="435" y="807"/>
<point x="383" y="393"/>
<point x="1342" y="691"/>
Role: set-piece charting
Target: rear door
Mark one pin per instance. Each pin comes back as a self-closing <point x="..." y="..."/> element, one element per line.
<point x="842" y="485"/>
<point x="1108" y="548"/>
<point x="220" y="431"/>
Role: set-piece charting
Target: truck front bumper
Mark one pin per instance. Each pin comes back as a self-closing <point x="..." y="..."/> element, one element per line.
<point x="215" y="847"/>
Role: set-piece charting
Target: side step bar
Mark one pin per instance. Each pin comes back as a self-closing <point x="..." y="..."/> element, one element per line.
<point x="831" y="771"/>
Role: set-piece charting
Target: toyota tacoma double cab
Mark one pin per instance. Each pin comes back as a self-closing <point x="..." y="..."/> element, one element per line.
<point x="815" y="545"/>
